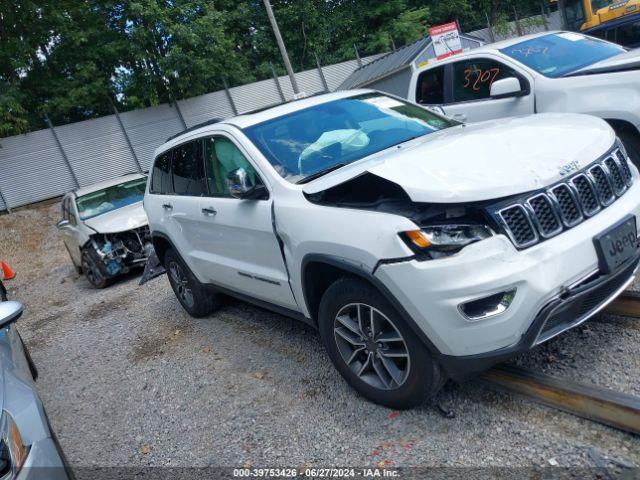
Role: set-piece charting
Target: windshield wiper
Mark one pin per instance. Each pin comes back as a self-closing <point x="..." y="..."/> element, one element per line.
<point x="320" y="173"/>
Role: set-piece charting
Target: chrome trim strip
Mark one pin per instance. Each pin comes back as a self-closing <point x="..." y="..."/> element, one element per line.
<point x="618" y="191"/>
<point x="607" y="178"/>
<point x="576" y="202"/>
<point x="536" y="221"/>
<point x="592" y="187"/>
<point x="508" y="229"/>
<point x="542" y="338"/>
<point x="623" y="162"/>
<point x="577" y="283"/>
<point x="499" y="309"/>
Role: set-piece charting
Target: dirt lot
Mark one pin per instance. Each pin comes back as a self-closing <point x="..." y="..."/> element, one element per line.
<point x="129" y="379"/>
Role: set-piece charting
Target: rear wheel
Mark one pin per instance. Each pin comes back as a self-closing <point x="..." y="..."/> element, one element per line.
<point x="193" y="296"/>
<point x="92" y="270"/>
<point x="373" y="348"/>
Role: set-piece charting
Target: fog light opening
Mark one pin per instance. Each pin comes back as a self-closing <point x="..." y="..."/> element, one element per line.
<point x="487" y="307"/>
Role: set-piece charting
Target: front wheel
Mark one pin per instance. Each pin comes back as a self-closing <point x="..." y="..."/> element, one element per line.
<point x="373" y="348"/>
<point x="96" y="275"/>
<point x="194" y="297"/>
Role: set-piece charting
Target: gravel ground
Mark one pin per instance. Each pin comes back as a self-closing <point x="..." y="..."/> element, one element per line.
<point x="128" y="379"/>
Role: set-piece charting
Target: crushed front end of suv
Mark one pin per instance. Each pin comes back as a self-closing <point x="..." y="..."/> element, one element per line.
<point x="421" y="248"/>
<point x="105" y="229"/>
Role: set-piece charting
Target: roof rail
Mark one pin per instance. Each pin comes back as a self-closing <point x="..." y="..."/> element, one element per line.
<point x="195" y="127"/>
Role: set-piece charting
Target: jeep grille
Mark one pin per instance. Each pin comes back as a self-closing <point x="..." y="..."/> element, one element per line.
<point x="568" y="203"/>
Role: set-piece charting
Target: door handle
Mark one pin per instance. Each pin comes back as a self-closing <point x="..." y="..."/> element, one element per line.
<point x="167" y="206"/>
<point x="209" y="211"/>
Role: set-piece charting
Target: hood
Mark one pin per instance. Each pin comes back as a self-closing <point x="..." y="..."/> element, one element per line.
<point x="625" y="61"/>
<point x="486" y="160"/>
<point x="119" y="220"/>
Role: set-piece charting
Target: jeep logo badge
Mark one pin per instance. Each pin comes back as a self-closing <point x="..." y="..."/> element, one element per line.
<point x="569" y="167"/>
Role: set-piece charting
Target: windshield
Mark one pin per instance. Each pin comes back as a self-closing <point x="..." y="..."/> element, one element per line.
<point x="310" y="141"/>
<point x="598" y="4"/>
<point x="111" y="198"/>
<point x="560" y="54"/>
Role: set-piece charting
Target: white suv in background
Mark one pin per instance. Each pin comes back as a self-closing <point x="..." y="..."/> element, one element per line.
<point x="104" y="228"/>
<point x="422" y="249"/>
<point x="546" y="72"/>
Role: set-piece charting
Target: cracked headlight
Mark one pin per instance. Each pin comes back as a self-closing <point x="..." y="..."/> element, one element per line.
<point x="444" y="240"/>
<point x="13" y="453"/>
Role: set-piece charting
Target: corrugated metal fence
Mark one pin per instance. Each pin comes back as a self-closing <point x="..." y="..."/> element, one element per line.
<point x="48" y="163"/>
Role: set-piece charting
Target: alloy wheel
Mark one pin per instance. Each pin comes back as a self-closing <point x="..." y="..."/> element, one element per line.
<point x="181" y="284"/>
<point x="372" y="346"/>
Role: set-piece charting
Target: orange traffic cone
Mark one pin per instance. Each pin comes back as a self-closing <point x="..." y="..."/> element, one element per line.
<point x="7" y="273"/>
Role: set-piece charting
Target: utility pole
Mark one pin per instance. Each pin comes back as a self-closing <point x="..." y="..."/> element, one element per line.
<point x="283" y="49"/>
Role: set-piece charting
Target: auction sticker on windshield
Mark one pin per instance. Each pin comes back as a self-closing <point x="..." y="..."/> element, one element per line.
<point x="574" y="37"/>
<point x="383" y="102"/>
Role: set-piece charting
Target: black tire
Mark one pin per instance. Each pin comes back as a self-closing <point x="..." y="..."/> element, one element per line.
<point x="631" y="143"/>
<point x="93" y="269"/>
<point x="420" y="376"/>
<point x="197" y="300"/>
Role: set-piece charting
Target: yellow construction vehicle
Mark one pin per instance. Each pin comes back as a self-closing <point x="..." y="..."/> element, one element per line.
<point x="581" y="15"/>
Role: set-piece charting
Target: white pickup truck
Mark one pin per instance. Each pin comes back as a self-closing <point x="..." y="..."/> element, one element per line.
<point x="547" y="72"/>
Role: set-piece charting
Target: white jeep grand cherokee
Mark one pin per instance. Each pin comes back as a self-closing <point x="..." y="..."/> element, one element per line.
<point x="422" y="249"/>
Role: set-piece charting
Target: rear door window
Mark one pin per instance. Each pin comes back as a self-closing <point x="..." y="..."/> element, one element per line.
<point x="188" y="169"/>
<point x="161" y="175"/>
<point x="430" y="88"/>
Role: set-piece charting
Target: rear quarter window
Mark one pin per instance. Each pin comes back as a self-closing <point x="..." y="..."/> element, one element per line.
<point x="161" y="175"/>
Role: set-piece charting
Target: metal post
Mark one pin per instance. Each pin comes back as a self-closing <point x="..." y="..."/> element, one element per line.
<point x="357" y="55"/>
<point x="277" y="82"/>
<point x="4" y="200"/>
<point x="64" y="155"/>
<point x="544" y="17"/>
<point x="518" y="27"/>
<point x="175" y="104"/>
<point x="281" y="46"/>
<point x="492" y="35"/>
<point x="229" y="97"/>
<point x="322" y="77"/>
<point x="393" y="44"/>
<point x="124" y="132"/>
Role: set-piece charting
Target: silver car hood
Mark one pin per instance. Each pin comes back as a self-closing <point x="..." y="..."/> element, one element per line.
<point x="120" y="220"/>
<point x="486" y="160"/>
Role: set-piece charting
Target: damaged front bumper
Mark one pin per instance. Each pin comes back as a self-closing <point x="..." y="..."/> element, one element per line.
<point x="118" y="252"/>
<point x="432" y="292"/>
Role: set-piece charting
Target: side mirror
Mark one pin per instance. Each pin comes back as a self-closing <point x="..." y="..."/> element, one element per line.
<point x="241" y="186"/>
<point x="62" y="223"/>
<point x="9" y="312"/>
<point x="507" y="87"/>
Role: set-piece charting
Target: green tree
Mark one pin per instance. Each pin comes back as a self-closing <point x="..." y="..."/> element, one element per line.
<point x="71" y="58"/>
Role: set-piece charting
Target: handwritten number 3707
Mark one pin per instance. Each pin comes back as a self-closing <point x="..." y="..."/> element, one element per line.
<point x="476" y="77"/>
